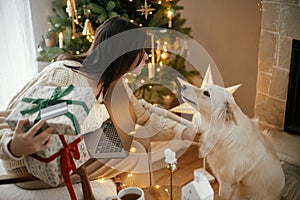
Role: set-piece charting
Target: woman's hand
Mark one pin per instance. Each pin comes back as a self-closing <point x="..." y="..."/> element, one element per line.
<point x="191" y="134"/>
<point x="26" y="143"/>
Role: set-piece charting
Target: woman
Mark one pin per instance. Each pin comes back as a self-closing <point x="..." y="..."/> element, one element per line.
<point x="84" y="70"/>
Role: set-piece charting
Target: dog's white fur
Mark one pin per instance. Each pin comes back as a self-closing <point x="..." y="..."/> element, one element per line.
<point x="244" y="163"/>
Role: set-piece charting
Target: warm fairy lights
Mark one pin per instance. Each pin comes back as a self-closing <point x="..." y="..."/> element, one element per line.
<point x="132" y="149"/>
<point x="101" y="180"/>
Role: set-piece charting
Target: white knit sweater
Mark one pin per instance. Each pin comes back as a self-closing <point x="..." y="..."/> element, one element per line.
<point x="56" y="74"/>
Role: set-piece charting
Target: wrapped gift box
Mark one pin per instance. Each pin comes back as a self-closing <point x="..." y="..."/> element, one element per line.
<point x="48" y="164"/>
<point x="64" y="108"/>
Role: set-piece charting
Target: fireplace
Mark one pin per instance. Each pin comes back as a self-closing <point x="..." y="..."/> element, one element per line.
<point x="292" y="116"/>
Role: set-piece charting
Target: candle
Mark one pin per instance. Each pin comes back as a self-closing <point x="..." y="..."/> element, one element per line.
<point x="61" y="40"/>
<point x="150" y="70"/>
<point x="170" y="159"/>
<point x="170" y="22"/>
<point x="170" y="156"/>
<point x="170" y="16"/>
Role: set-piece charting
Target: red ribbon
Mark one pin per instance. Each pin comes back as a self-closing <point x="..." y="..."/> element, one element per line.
<point x="66" y="154"/>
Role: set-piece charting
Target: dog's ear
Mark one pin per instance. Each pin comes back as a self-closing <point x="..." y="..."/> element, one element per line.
<point x="233" y="89"/>
<point x="230" y="113"/>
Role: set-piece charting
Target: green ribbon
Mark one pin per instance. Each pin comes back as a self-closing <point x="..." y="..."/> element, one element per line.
<point x="55" y="99"/>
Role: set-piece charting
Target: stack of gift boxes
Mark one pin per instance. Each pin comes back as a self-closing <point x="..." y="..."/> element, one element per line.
<point x="64" y="109"/>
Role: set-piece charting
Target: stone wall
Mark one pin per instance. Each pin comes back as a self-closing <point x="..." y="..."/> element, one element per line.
<point x="280" y="24"/>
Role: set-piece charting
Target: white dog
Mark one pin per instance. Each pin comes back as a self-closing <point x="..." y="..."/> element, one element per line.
<point x="245" y="165"/>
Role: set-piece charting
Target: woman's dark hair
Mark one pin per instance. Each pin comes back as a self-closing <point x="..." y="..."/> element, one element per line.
<point x="97" y="62"/>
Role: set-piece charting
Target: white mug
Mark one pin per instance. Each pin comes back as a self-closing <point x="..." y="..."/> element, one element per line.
<point x="132" y="193"/>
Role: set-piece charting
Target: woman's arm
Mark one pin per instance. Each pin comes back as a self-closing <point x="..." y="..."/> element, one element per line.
<point x="55" y="75"/>
<point x="160" y="124"/>
<point x="5" y="137"/>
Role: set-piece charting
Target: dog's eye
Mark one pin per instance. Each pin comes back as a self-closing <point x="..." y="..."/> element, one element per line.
<point x="206" y="93"/>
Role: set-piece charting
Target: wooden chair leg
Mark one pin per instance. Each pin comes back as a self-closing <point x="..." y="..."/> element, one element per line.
<point x="16" y="178"/>
<point x="85" y="183"/>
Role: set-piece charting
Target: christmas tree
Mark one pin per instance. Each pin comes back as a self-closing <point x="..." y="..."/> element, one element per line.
<point x="71" y="30"/>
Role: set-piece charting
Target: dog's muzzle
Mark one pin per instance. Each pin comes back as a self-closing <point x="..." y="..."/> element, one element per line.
<point x="188" y="100"/>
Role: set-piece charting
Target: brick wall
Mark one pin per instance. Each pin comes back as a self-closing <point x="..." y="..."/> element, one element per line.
<point x="280" y="24"/>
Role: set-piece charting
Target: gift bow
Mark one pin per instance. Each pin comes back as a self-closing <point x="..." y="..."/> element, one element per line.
<point x="55" y="99"/>
<point x="67" y="163"/>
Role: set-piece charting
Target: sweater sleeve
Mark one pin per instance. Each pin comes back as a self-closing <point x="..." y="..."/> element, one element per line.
<point x="59" y="76"/>
<point x="9" y="160"/>
<point x="155" y="125"/>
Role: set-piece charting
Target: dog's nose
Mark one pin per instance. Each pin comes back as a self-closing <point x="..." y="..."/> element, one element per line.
<point x="183" y="87"/>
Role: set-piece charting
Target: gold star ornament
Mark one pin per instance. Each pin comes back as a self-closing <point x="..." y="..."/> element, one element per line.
<point x="146" y="9"/>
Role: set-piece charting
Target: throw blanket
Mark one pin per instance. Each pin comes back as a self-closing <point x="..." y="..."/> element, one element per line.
<point x="101" y="189"/>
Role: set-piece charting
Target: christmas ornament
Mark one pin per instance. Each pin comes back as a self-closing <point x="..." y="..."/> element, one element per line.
<point x="146" y="10"/>
<point x="85" y="11"/>
<point x="158" y="55"/>
<point x="176" y="44"/>
<point x="72" y="12"/>
<point x="69" y="8"/>
<point x="184" y="49"/>
<point x="88" y="29"/>
<point x="260" y="5"/>
<point x="158" y="51"/>
<point x="164" y="55"/>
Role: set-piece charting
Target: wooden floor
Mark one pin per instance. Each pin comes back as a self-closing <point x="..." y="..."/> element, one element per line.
<point x="186" y="165"/>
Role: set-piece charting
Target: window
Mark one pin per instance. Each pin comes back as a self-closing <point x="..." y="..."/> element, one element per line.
<point x="17" y="49"/>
